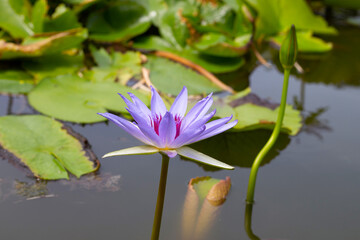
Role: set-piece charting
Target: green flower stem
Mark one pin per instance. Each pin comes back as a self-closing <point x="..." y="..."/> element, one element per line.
<point x="270" y="142"/>
<point x="248" y="216"/>
<point x="160" y="198"/>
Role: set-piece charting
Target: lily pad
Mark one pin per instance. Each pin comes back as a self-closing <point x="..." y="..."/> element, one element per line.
<point x="214" y="190"/>
<point x="114" y="67"/>
<point x="275" y="16"/>
<point x="171" y="77"/>
<point x="75" y="99"/>
<point x="253" y="112"/>
<point x="201" y="205"/>
<point x="118" y="22"/>
<point x="39" y="46"/>
<point x="54" y="65"/>
<point x="12" y="19"/>
<point x="41" y="144"/>
<point x="210" y="63"/>
<point x="12" y="81"/>
<point x="219" y="45"/>
<point x="306" y="42"/>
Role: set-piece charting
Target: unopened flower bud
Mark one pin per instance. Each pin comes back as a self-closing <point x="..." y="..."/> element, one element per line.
<point x="288" y="50"/>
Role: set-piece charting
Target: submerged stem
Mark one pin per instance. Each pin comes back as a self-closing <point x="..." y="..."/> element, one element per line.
<point x="270" y="142"/>
<point x="248" y="217"/>
<point x="160" y="198"/>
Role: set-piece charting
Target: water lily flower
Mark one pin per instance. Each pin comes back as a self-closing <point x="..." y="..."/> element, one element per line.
<point x="169" y="131"/>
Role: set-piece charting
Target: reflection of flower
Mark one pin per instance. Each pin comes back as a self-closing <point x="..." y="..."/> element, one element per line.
<point x="168" y="131"/>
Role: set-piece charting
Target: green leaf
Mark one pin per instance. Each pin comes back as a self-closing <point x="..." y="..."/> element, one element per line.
<point x="118" y="22"/>
<point x="145" y="149"/>
<point x="12" y="20"/>
<point x="306" y="42"/>
<point x="210" y="63"/>
<point x="219" y="45"/>
<point x="276" y="16"/>
<point x="214" y="190"/>
<point x="71" y="98"/>
<point x="172" y="26"/>
<point x="38" y="15"/>
<point x="251" y="116"/>
<point x="171" y="77"/>
<point x="39" y="46"/>
<point x="62" y="19"/>
<point x="115" y="67"/>
<point x="54" y="65"/>
<point x="253" y="113"/>
<point x="15" y="81"/>
<point x="200" y="157"/>
<point x="42" y="145"/>
<point x="202" y="185"/>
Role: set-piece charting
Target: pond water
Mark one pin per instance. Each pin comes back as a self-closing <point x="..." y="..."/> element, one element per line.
<point x="307" y="189"/>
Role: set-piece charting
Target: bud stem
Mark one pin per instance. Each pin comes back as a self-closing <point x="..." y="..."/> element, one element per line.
<point x="259" y="158"/>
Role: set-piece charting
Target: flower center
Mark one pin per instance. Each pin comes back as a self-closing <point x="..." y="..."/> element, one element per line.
<point x="156" y="120"/>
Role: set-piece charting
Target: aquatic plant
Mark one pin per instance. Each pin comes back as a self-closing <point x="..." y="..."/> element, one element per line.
<point x="168" y="132"/>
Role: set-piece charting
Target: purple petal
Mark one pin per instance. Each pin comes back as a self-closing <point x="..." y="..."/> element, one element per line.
<point x="198" y="111"/>
<point x="138" y="103"/>
<point x="134" y="108"/>
<point x="129" y="127"/>
<point x="214" y="130"/>
<point x="146" y="129"/>
<point x="167" y="129"/>
<point x="170" y="153"/>
<point x="180" y="104"/>
<point x="157" y="104"/>
<point x="188" y="135"/>
<point x="127" y="101"/>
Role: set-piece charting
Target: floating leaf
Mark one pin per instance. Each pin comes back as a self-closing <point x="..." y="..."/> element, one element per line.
<point x="118" y="22"/>
<point x="171" y="77"/>
<point x="42" y="145"/>
<point x="306" y="42"/>
<point x="219" y="45"/>
<point x="210" y="63"/>
<point x="62" y="19"/>
<point x="340" y="67"/>
<point x="253" y="113"/>
<point x="214" y="190"/>
<point x="13" y="21"/>
<point x="15" y="82"/>
<point x="71" y="98"/>
<point x="39" y="46"/>
<point x="115" y="67"/>
<point x="275" y="16"/>
<point x="54" y="65"/>
<point x="195" y="224"/>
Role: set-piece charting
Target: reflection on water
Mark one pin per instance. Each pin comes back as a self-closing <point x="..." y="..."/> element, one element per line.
<point x="208" y="195"/>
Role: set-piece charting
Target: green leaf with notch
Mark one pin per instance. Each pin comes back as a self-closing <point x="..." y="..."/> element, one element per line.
<point x="42" y="145"/>
<point x="75" y="99"/>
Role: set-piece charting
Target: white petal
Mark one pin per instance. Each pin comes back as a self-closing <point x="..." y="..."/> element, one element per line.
<point x="133" y="151"/>
<point x="200" y="157"/>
